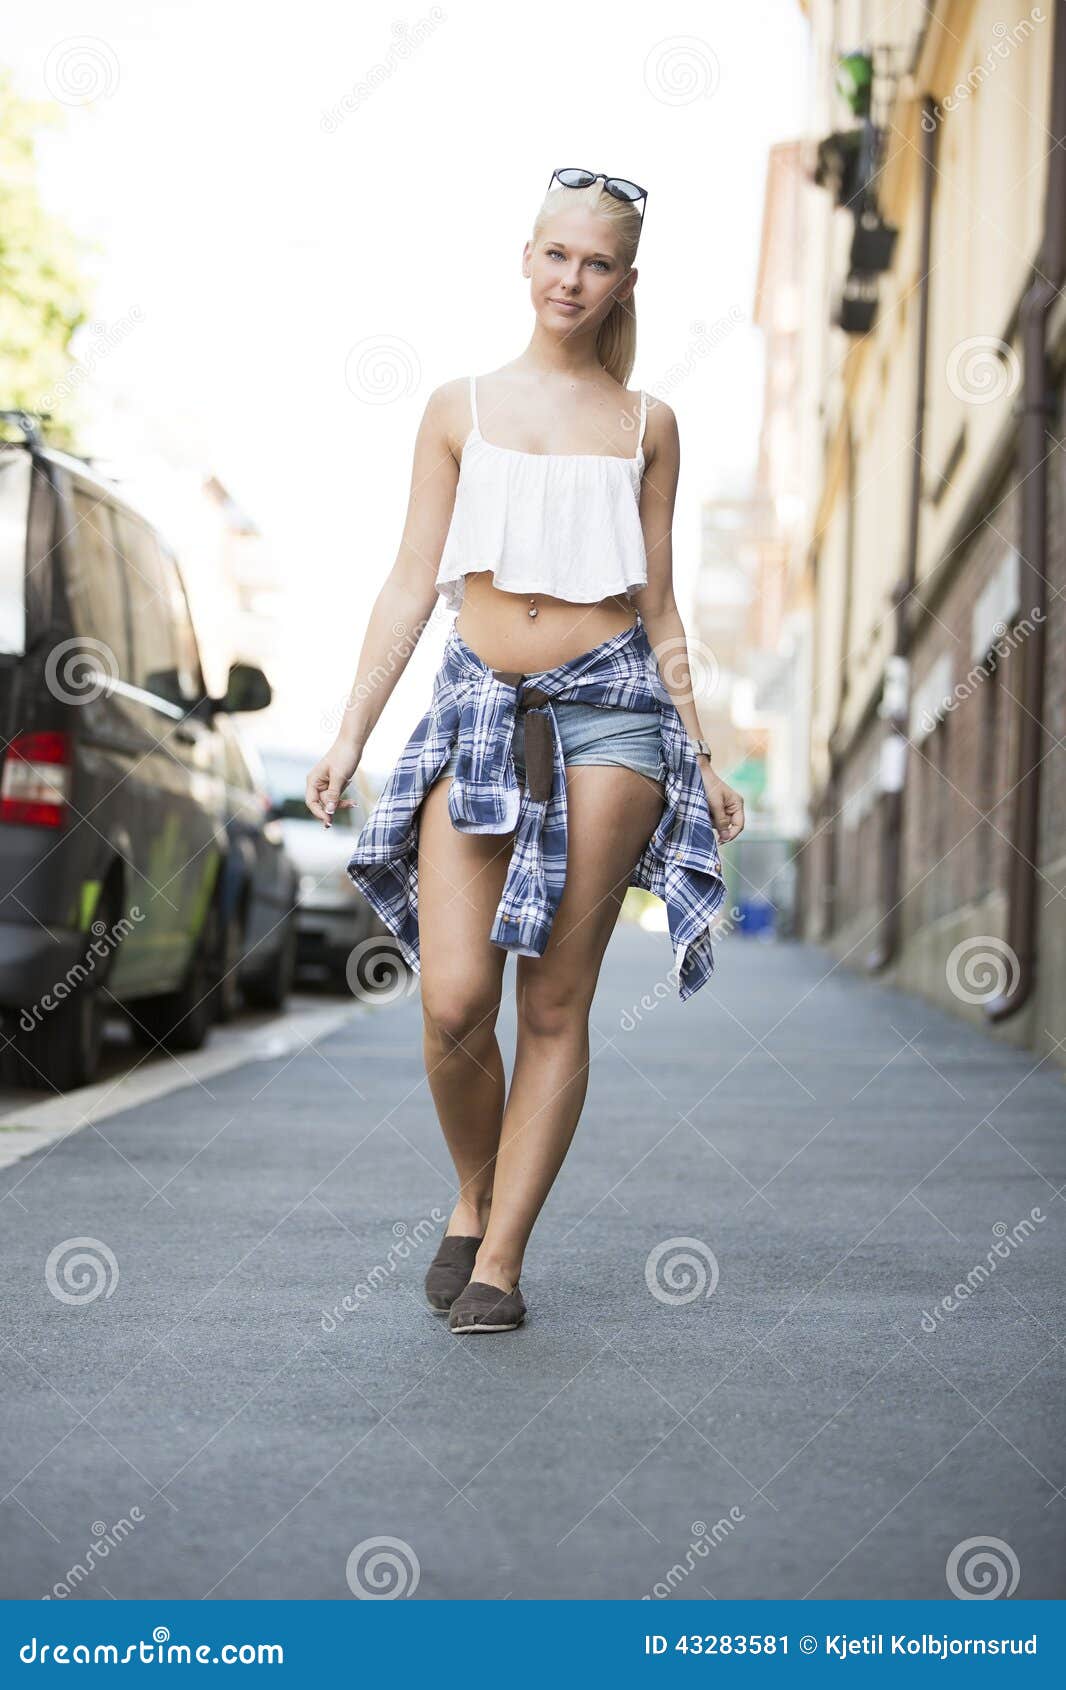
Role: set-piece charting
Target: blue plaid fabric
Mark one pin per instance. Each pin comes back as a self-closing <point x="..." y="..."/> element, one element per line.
<point x="473" y="710"/>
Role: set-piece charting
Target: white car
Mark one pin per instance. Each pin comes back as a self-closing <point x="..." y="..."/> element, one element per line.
<point x="332" y="916"/>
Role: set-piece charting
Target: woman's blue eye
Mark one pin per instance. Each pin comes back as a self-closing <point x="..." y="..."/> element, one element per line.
<point x="553" y="252"/>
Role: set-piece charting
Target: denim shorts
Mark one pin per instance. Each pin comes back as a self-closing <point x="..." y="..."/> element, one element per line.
<point x="594" y="733"/>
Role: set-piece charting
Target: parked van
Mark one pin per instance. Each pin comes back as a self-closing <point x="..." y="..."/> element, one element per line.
<point x="112" y="788"/>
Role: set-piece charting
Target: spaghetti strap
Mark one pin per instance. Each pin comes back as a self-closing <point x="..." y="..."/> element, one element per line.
<point x="473" y="403"/>
<point x="643" y="418"/>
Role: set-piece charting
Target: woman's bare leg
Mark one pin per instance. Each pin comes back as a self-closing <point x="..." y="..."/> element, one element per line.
<point x="460" y="879"/>
<point x="612" y="812"/>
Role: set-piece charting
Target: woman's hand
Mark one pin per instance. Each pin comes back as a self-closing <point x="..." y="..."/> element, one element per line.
<point x="327" y="781"/>
<point x="726" y="806"/>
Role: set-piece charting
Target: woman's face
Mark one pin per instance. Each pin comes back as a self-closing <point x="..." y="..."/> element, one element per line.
<point x="574" y="271"/>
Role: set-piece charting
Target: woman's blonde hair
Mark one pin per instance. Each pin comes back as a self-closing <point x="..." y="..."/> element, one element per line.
<point x="616" y="342"/>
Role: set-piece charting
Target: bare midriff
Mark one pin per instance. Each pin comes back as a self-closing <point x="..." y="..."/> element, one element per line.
<point x="497" y="625"/>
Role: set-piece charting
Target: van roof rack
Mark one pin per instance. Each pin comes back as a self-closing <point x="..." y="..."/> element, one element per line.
<point x="28" y="422"/>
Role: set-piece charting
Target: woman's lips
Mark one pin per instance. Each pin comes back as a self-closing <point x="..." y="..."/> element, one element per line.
<point x="566" y="304"/>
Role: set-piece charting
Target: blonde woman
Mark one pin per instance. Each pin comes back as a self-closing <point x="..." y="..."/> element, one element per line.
<point x="560" y="759"/>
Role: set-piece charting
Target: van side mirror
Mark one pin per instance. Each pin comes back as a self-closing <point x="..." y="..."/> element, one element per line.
<point x="248" y="689"/>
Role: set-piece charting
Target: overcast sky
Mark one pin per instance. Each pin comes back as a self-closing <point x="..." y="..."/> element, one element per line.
<point x="317" y="231"/>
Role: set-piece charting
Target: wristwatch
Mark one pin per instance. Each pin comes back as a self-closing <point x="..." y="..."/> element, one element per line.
<point x="700" y="748"/>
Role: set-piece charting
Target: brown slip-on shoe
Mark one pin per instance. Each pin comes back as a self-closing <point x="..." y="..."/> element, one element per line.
<point x="450" y="1270"/>
<point x="480" y="1307"/>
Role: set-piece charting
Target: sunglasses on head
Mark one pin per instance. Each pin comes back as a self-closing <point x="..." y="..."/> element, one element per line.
<point x="616" y="185"/>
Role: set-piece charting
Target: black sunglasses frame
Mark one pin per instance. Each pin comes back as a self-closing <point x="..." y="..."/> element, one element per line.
<point x="599" y="176"/>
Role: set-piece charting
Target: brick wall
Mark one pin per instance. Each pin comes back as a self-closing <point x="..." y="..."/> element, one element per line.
<point x="957" y="810"/>
<point x="957" y="807"/>
<point x="1053" y="772"/>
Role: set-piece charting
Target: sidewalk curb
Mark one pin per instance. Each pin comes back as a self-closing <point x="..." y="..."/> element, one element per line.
<point x="26" y="1130"/>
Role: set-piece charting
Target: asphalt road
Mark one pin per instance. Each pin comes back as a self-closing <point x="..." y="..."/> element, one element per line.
<point x="794" y="1413"/>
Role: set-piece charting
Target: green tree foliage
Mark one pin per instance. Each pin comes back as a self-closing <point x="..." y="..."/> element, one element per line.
<point x="42" y="294"/>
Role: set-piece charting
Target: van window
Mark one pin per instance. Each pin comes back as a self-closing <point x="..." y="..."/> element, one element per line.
<point x="190" y="676"/>
<point x="93" y="573"/>
<point x="15" y="469"/>
<point x="155" y="666"/>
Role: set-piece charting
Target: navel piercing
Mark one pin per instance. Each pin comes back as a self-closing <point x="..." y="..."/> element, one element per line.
<point x="532" y="611"/>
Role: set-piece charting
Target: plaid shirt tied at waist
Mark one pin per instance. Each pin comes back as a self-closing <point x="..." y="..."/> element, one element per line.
<point x="473" y="710"/>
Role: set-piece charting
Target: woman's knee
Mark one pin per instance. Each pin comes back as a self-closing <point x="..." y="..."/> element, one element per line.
<point x="552" y="1004"/>
<point x="455" y="1011"/>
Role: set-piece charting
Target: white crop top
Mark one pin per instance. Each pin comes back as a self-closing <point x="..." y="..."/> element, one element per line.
<point x="566" y="524"/>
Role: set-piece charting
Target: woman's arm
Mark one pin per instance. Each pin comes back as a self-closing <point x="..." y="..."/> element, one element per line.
<point x="658" y="608"/>
<point x="402" y="607"/>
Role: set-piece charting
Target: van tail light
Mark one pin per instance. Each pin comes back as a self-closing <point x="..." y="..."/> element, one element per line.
<point x="35" y="785"/>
